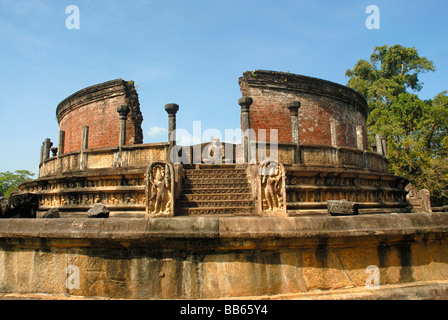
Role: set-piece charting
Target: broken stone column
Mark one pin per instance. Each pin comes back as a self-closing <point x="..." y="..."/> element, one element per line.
<point x="46" y="149"/>
<point x="123" y="111"/>
<point x="171" y="109"/>
<point x="54" y="151"/>
<point x="245" y="103"/>
<point x="61" y="142"/>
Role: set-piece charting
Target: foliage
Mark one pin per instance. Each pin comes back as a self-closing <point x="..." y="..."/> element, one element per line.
<point x="10" y="181"/>
<point x="416" y="130"/>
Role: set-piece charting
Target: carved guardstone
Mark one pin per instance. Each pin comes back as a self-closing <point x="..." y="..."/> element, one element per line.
<point x="342" y="207"/>
<point x="160" y="189"/>
<point x="271" y="189"/>
<point x="420" y="201"/>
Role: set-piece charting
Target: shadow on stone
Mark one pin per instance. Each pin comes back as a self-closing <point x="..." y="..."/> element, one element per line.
<point x="19" y="205"/>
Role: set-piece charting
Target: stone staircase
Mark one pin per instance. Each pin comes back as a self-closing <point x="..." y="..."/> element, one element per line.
<point x="215" y="190"/>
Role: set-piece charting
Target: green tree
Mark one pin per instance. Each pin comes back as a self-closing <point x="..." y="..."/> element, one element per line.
<point x="9" y="181"/>
<point x="416" y="130"/>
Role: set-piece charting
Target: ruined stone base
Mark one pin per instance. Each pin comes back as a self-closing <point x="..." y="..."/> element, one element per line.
<point x="425" y="290"/>
<point x="316" y="257"/>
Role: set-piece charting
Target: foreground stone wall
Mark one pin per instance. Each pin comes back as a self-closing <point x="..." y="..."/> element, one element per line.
<point x="219" y="257"/>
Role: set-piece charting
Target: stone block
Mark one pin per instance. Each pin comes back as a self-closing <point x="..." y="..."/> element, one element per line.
<point x="342" y="207"/>
<point x="98" y="210"/>
<point x="52" y="213"/>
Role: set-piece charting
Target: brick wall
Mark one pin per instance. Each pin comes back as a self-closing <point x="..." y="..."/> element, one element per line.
<point x="96" y="107"/>
<point x="322" y="102"/>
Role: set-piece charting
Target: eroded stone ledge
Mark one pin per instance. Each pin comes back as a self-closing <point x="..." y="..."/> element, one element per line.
<point x="228" y="228"/>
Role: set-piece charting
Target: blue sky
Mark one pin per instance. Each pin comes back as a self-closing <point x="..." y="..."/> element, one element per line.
<point x="190" y="52"/>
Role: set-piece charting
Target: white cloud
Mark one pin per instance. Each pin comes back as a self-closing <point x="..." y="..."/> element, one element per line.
<point x="157" y="131"/>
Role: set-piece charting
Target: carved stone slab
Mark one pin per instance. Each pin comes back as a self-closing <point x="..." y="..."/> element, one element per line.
<point x="160" y="189"/>
<point x="420" y="200"/>
<point x="271" y="188"/>
<point x="342" y="207"/>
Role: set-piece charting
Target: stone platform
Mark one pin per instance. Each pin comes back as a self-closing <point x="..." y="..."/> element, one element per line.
<point x="225" y="257"/>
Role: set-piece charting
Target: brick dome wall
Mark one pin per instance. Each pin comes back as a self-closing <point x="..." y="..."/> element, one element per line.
<point x="96" y="107"/>
<point x="322" y="103"/>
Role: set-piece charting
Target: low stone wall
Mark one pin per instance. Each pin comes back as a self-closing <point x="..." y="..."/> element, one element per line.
<point x="207" y="258"/>
<point x="131" y="156"/>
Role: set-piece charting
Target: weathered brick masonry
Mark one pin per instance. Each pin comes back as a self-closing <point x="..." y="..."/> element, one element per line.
<point x="96" y="107"/>
<point x="322" y="103"/>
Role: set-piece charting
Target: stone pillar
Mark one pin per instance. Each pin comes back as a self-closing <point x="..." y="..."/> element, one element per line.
<point x="123" y="111"/>
<point x="44" y="155"/>
<point x="61" y="142"/>
<point x="294" y="110"/>
<point x="379" y="144"/>
<point x="171" y="109"/>
<point x="41" y="154"/>
<point x="245" y="103"/>
<point x="46" y="149"/>
<point x="333" y="135"/>
<point x="84" y="146"/>
<point x="384" y="144"/>
<point x="359" y="137"/>
<point x="84" y="138"/>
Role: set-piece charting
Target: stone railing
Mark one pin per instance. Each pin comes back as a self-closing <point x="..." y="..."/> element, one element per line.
<point x="316" y="155"/>
<point x="138" y="156"/>
<point x="131" y="156"/>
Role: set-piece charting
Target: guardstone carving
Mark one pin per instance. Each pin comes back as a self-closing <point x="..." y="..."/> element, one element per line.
<point x="160" y="189"/>
<point x="419" y="200"/>
<point x="271" y="191"/>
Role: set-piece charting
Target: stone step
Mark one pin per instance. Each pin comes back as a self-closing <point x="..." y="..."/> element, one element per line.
<point x="215" y="172"/>
<point x="235" y="190"/>
<point x="216" y="211"/>
<point x="205" y="178"/>
<point x="216" y="196"/>
<point x="211" y="183"/>
<point x="215" y="204"/>
<point x="215" y="190"/>
<point x="222" y="166"/>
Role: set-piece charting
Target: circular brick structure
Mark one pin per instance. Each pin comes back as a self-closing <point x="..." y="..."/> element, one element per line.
<point x="96" y="108"/>
<point x="329" y="113"/>
<point x="321" y="130"/>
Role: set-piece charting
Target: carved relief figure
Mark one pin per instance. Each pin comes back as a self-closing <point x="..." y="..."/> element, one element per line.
<point x="419" y="198"/>
<point x="271" y="186"/>
<point x="159" y="189"/>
